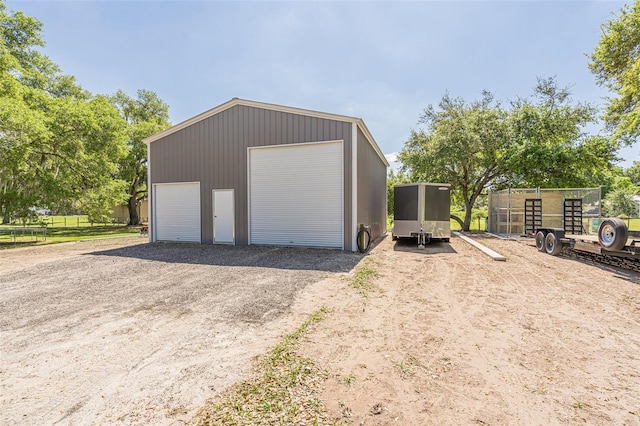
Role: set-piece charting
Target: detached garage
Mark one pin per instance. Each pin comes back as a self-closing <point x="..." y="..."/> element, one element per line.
<point x="247" y="172"/>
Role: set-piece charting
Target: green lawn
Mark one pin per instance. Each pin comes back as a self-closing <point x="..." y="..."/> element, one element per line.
<point x="32" y="236"/>
<point x="61" y="221"/>
<point x="633" y="224"/>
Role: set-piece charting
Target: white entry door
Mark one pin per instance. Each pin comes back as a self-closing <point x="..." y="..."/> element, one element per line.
<point x="223" y="216"/>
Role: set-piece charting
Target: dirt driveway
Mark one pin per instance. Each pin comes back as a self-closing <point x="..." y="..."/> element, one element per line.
<point x="118" y="331"/>
<point x="139" y="334"/>
<point x="448" y="336"/>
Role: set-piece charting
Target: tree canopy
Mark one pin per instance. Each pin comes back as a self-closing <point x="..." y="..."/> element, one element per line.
<point x="549" y="146"/>
<point x="633" y="173"/>
<point x="616" y="64"/>
<point x="59" y="144"/>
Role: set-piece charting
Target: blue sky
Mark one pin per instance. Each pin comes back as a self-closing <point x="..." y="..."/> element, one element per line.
<point x="382" y="61"/>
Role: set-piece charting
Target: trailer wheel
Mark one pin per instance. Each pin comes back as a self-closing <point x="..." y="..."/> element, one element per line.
<point x="540" y="240"/>
<point x="551" y="244"/>
<point x="613" y="234"/>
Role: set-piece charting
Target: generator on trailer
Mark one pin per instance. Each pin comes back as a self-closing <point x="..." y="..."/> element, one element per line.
<point x="422" y="210"/>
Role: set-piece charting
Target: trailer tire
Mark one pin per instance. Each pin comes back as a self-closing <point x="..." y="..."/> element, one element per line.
<point x="613" y="234"/>
<point x="540" y="236"/>
<point x="551" y="244"/>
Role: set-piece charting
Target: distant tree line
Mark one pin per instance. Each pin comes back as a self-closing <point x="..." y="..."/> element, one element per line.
<point x="61" y="147"/>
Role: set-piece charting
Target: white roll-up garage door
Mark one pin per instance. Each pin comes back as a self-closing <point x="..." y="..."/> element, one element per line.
<point x="177" y="212"/>
<point x="296" y="195"/>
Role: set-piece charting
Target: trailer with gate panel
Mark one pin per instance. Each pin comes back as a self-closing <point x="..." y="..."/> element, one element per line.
<point x="422" y="210"/>
<point x="565" y="221"/>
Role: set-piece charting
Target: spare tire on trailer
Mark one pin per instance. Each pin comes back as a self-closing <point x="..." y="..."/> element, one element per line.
<point x="551" y="244"/>
<point x="540" y="240"/>
<point x="613" y="234"/>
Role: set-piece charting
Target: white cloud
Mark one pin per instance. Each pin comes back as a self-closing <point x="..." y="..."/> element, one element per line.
<point x="392" y="158"/>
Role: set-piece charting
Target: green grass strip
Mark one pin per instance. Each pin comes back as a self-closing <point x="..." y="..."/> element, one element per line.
<point x="283" y="392"/>
<point x="62" y="235"/>
<point x="361" y="280"/>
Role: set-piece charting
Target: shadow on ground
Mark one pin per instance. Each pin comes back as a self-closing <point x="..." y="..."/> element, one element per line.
<point x="410" y="245"/>
<point x="294" y="258"/>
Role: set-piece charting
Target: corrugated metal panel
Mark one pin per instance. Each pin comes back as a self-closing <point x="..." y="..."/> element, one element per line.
<point x="177" y="212"/>
<point x="214" y="152"/>
<point x="296" y="195"/>
<point x="372" y="188"/>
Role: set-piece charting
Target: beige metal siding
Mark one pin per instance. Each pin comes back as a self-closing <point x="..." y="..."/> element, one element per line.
<point x="372" y="188"/>
<point x="214" y="152"/>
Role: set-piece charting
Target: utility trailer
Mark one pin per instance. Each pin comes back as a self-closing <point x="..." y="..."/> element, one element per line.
<point x="613" y="245"/>
<point x="422" y="210"/>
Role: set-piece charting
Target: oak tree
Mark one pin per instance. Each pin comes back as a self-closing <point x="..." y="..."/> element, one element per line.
<point x="59" y="145"/>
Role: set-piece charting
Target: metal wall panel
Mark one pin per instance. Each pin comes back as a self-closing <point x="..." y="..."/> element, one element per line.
<point x="372" y="188"/>
<point x="214" y="152"/>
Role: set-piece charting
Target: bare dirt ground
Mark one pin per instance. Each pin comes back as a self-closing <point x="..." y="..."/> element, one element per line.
<point x="133" y="333"/>
<point x="122" y="332"/>
<point x="448" y="336"/>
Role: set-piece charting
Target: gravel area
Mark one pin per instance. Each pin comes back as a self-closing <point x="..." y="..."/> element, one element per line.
<point x="122" y="331"/>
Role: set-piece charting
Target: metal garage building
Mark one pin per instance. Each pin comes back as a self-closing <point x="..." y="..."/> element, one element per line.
<point x="248" y="172"/>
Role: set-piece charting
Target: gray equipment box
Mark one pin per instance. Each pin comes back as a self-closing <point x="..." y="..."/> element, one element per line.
<point x="422" y="210"/>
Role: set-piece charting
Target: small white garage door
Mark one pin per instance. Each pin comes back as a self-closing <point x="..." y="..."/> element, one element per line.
<point x="296" y="195"/>
<point x="177" y="212"/>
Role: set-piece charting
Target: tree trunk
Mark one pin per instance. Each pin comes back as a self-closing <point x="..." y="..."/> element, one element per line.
<point x="133" y="211"/>
<point x="4" y="212"/>
<point x="467" y="219"/>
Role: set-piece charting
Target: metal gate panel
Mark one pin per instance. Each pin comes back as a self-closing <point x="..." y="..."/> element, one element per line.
<point x="532" y="215"/>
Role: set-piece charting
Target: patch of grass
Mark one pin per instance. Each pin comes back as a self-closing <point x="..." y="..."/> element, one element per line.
<point x="580" y="405"/>
<point x="361" y="281"/>
<point x="283" y="391"/>
<point x="349" y="379"/>
<point x="63" y="235"/>
<point x="407" y="367"/>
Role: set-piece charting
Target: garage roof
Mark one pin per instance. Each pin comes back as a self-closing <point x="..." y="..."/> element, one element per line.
<point x="281" y="108"/>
